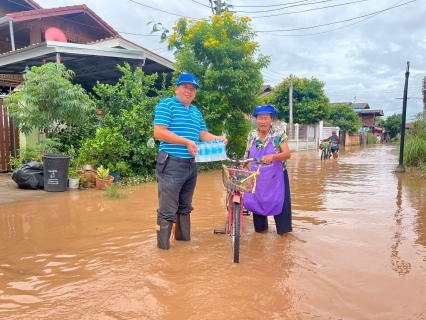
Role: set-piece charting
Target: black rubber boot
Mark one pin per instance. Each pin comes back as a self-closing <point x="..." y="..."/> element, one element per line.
<point x="164" y="229"/>
<point x="183" y="227"/>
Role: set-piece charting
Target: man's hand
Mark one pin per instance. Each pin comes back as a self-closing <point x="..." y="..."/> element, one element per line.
<point x="225" y="141"/>
<point x="192" y="147"/>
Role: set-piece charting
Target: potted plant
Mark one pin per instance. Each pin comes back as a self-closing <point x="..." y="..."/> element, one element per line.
<point x="73" y="178"/>
<point x="117" y="168"/>
<point x="74" y="169"/>
<point x="88" y="159"/>
<point x="103" y="177"/>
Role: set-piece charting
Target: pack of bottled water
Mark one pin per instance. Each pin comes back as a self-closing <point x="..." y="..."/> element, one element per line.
<point x="211" y="151"/>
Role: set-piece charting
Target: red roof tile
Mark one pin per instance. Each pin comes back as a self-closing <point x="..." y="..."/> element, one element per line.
<point x="44" y="13"/>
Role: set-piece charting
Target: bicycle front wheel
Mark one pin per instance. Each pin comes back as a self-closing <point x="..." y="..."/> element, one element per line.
<point x="236" y="231"/>
<point x="323" y="154"/>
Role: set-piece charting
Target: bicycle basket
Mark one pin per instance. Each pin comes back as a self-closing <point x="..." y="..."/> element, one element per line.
<point x="238" y="179"/>
<point x="325" y="145"/>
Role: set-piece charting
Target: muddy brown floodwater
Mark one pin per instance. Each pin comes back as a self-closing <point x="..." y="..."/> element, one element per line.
<point x="358" y="251"/>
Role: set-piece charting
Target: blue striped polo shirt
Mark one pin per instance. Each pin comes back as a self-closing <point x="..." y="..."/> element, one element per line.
<point x="187" y="123"/>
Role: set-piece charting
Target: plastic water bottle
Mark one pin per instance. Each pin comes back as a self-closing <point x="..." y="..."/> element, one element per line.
<point x="208" y="152"/>
<point x="214" y="151"/>
<point x="202" y="152"/>
<point x="219" y="150"/>
<point x="197" y="156"/>
<point x="223" y="150"/>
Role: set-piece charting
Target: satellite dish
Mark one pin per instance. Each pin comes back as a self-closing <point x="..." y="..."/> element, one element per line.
<point x="55" y="34"/>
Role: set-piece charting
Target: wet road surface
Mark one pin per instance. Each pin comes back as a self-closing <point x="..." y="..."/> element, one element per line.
<point x="357" y="251"/>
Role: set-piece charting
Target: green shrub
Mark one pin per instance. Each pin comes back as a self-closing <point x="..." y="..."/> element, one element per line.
<point x="113" y="191"/>
<point x="371" y="139"/>
<point x="415" y="152"/>
<point x="237" y="132"/>
<point x="129" y="108"/>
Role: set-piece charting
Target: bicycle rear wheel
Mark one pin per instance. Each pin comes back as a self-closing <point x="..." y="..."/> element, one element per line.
<point x="235" y="235"/>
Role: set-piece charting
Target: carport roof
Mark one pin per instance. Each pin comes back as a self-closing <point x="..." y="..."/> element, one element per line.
<point x="89" y="62"/>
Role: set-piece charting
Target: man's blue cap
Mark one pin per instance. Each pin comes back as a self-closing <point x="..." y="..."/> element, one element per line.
<point x="188" y="78"/>
<point x="265" y="109"/>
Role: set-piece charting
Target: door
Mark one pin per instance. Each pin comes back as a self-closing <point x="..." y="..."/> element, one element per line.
<point x="9" y="139"/>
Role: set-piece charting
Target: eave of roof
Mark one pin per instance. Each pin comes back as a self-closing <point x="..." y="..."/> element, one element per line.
<point x="45" y="13"/>
<point x="119" y="41"/>
<point x="40" y="49"/>
<point x="33" y="4"/>
<point x="370" y="111"/>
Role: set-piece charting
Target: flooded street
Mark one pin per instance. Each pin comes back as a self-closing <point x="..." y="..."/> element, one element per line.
<point x="357" y="251"/>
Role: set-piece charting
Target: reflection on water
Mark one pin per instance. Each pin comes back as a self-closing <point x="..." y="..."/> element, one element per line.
<point x="358" y="251"/>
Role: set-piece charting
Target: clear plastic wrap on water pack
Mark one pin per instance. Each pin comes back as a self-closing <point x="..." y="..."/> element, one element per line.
<point x="211" y="151"/>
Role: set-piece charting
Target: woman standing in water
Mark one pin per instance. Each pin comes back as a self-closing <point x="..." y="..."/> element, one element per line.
<point x="272" y="194"/>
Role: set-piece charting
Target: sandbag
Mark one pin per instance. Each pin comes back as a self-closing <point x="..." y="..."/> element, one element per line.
<point x="29" y="176"/>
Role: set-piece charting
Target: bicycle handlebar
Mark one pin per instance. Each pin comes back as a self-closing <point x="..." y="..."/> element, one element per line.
<point x="257" y="160"/>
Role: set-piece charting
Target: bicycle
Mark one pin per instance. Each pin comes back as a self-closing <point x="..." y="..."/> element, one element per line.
<point x="237" y="181"/>
<point x="325" y="147"/>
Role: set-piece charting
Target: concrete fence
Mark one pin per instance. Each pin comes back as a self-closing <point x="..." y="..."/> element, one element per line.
<point x="305" y="137"/>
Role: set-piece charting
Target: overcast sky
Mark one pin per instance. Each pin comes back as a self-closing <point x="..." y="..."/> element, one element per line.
<point x="362" y="59"/>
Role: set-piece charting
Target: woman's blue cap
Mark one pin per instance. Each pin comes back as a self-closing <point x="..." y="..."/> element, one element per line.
<point x="188" y="78"/>
<point x="265" y="109"/>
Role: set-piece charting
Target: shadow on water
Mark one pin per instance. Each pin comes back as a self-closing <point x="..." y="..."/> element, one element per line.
<point x="358" y="251"/>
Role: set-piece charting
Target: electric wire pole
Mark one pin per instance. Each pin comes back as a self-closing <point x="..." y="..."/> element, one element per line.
<point x="424" y="94"/>
<point x="216" y="6"/>
<point x="400" y="167"/>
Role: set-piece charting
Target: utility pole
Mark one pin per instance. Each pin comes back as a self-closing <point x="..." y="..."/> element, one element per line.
<point x="424" y="94"/>
<point x="216" y="6"/>
<point x="290" y="104"/>
<point x="400" y="167"/>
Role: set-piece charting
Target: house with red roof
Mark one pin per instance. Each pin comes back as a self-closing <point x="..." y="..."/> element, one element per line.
<point x="73" y="35"/>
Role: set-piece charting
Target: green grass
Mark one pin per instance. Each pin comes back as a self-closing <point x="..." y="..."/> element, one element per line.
<point x="113" y="191"/>
<point x="415" y="152"/>
<point x="371" y="139"/>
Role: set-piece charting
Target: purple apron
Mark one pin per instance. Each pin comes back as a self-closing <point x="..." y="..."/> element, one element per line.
<point x="268" y="198"/>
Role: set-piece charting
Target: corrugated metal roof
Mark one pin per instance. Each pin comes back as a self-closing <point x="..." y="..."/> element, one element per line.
<point x="119" y="41"/>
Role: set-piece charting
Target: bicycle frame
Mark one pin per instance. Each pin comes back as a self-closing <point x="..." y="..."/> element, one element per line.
<point x="235" y="197"/>
<point x="326" y="152"/>
<point x="235" y="213"/>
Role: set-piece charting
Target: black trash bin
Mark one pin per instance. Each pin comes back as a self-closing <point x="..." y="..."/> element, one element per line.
<point x="55" y="172"/>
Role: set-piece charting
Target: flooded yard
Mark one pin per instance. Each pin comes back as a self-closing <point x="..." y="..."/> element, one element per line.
<point x="357" y="251"/>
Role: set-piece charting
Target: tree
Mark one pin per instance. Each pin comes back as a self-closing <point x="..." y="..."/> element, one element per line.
<point x="129" y="110"/>
<point x="221" y="53"/>
<point x="310" y="104"/>
<point x="345" y="118"/>
<point x="393" y="125"/>
<point x="48" y="99"/>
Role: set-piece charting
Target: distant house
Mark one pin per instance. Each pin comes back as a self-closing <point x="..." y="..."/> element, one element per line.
<point x="367" y="115"/>
<point x="76" y="37"/>
<point x="265" y="91"/>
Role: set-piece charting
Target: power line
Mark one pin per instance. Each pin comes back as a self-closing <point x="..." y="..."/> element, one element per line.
<point x="281" y="14"/>
<point x="273" y="5"/>
<point x="327" y="24"/>
<point x="201" y="4"/>
<point x="373" y="92"/>
<point x="174" y="14"/>
<point x="316" y="33"/>
<point x="296" y="5"/>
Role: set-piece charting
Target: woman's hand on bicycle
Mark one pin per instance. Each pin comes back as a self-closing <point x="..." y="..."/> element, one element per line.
<point x="268" y="159"/>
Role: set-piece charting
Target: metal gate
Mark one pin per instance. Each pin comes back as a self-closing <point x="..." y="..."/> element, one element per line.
<point x="9" y="139"/>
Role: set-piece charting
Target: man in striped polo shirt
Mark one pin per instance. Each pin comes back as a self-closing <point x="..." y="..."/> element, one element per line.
<point x="178" y="125"/>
